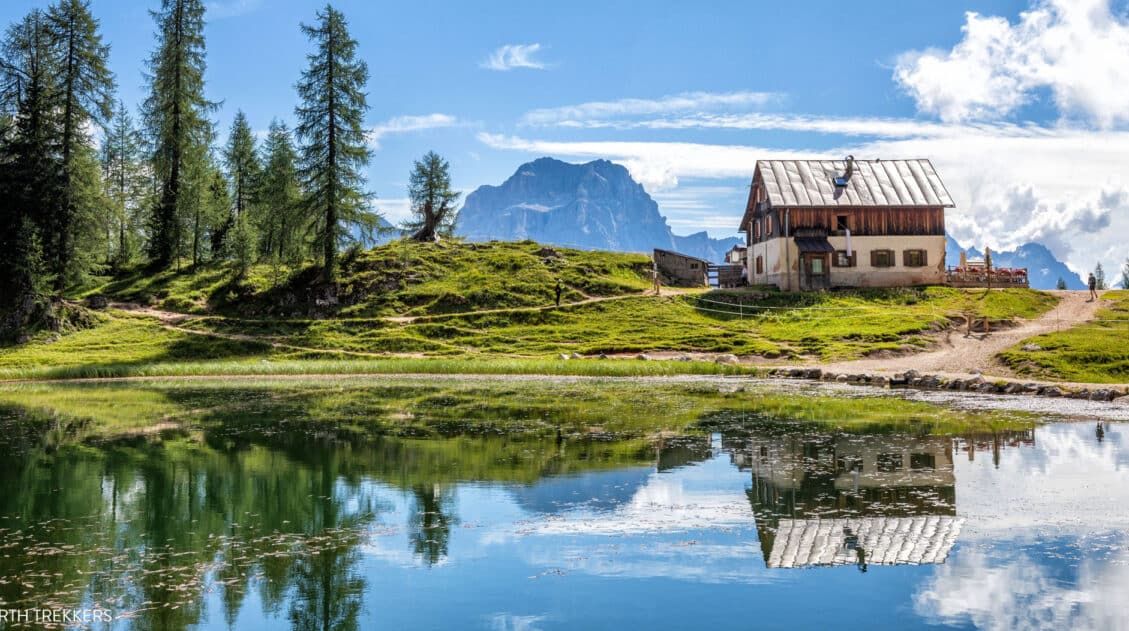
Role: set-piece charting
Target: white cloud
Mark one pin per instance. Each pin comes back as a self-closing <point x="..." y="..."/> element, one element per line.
<point x="1078" y="50"/>
<point x="230" y="8"/>
<point x="395" y="210"/>
<point x="512" y="56"/>
<point x="406" y="124"/>
<point x="601" y="112"/>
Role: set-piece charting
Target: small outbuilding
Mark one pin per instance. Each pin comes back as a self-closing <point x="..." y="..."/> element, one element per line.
<point x="682" y="270"/>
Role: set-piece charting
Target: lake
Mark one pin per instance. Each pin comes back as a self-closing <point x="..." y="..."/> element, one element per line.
<point x="547" y="504"/>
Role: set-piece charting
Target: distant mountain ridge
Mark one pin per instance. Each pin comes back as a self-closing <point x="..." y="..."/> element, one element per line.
<point x="1043" y="268"/>
<point x="595" y="205"/>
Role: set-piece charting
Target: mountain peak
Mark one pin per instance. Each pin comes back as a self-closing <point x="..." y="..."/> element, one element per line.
<point x="596" y="205"/>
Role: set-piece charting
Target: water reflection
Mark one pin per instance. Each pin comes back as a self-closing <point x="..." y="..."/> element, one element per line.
<point x="265" y="519"/>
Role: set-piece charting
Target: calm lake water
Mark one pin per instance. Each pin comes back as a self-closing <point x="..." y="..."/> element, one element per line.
<point x="356" y="508"/>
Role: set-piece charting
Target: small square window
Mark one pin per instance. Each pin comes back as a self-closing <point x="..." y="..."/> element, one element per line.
<point x="881" y="258"/>
<point x="842" y="259"/>
<point x="913" y="258"/>
<point x="841" y="223"/>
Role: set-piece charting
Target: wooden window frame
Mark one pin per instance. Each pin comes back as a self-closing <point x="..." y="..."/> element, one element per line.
<point x="852" y="261"/>
<point x="768" y="226"/>
<point x="914" y="251"/>
<point x="874" y="258"/>
<point x="760" y="264"/>
<point x="756" y="229"/>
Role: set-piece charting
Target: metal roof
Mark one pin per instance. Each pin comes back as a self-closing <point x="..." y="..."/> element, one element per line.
<point x="899" y="183"/>
<point x="886" y="541"/>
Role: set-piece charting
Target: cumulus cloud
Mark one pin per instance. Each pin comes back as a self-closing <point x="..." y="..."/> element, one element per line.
<point x="1078" y="50"/>
<point x="407" y="124"/>
<point x="607" y="113"/>
<point x="512" y="56"/>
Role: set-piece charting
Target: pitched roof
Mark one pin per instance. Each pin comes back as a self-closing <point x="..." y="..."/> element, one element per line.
<point x="885" y="540"/>
<point x="873" y="183"/>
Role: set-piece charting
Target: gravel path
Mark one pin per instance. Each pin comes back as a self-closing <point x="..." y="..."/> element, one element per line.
<point x="959" y="354"/>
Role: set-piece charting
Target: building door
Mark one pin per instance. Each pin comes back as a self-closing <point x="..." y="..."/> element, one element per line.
<point x="816" y="274"/>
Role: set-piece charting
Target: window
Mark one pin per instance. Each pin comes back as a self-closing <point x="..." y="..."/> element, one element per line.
<point x="693" y="266"/>
<point x="922" y="461"/>
<point x="889" y="462"/>
<point x="757" y="229"/>
<point x="760" y="264"/>
<point x="842" y="260"/>
<point x="841" y="223"/>
<point x="881" y="258"/>
<point x="768" y="226"/>
<point x="913" y="258"/>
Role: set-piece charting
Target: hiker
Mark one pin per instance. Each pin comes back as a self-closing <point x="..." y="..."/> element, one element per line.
<point x="656" y="284"/>
<point x="559" y="290"/>
<point x="1093" y="282"/>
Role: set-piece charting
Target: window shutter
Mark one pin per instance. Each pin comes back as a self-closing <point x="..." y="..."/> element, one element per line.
<point x="874" y="258"/>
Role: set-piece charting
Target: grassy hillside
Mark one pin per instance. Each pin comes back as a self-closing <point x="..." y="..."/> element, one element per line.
<point x="472" y="304"/>
<point x="400" y="278"/>
<point x="1095" y="352"/>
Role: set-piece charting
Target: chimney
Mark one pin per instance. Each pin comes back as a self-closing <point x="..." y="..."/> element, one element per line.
<point x="850" y="168"/>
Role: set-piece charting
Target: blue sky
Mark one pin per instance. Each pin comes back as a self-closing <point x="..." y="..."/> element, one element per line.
<point x="1023" y="106"/>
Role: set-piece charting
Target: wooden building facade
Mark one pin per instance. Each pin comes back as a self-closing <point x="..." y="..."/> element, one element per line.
<point x="817" y="224"/>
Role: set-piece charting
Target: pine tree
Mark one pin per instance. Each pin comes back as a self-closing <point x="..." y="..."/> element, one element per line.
<point x="176" y="117"/>
<point x="86" y="93"/>
<point x="211" y="215"/>
<point x="1061" y="284"/>
<point x="1125" y="274"/>
<point x="433" y="199"/>
<point x="279" y="197"/>
<point x="333" y="152"/>
<point x="1099" y="276"/>
<point x="124" y="176"/>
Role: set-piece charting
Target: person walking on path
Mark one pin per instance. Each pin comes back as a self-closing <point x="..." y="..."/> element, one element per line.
<point x="1093" y="282"/>
<point x="656" y="284"/>
<point x="559" y="290"/>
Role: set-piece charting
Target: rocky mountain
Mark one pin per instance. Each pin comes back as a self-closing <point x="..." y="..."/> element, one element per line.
<point x="596" y="205"/>
<point x="1043" y="269"/>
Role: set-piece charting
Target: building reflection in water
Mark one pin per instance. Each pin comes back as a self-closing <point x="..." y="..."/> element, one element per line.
<point x="838" y="499"/>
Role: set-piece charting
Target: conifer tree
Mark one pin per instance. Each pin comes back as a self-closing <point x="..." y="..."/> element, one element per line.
<point x="1061" y="284"/>
<point x="176" y="117"/>
<point x="1099" y="276"/>
<point x="1125" y="274"/>
<point x="85" y="96"/>
<point x="333" y="103"/>
<point x="279" y="197"/>
<point x="30" y="166"/>
<point x="122" y="168"/>
<point x="242" y="164"/>
<point x="433" y="199"/>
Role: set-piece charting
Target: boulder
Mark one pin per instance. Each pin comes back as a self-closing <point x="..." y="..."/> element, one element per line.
<point x="1031" y="348"/>
<point x="565" y="356"/>
<point x="97" y="301"/>
<point x="727" y="359"/>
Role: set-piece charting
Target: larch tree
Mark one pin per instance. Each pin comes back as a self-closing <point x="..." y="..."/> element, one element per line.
<point x="243" y="170"/>
<point x="124" y="174"/>
<point x="176" y="119"/>
<point x="1099" y="276"/>
<point x="333" y="144"/>
<point x="279" y="197"/>
<point x="86" y="88"/>
<point x="432" y="198"/>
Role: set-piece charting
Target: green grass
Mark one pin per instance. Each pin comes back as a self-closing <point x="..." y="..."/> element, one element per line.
<point x="1095" y="352"/>
<point x="399" y="278"/>
<point x="480" y="305"/>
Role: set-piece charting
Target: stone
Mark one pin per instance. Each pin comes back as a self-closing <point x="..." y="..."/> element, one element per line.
<point x="841" y="378"/>
<point x="1051" y="391"/>
<point x="1031" y="348"/>
<point x="727" y="359"/>
<point x="565" y="356"/>
<point x="643" y="357"/>
<point x="97" y="301"/>
<point x="577" y="356"/>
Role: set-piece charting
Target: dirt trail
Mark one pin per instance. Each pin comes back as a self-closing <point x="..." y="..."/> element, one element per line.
<point x="959" y="354"/>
